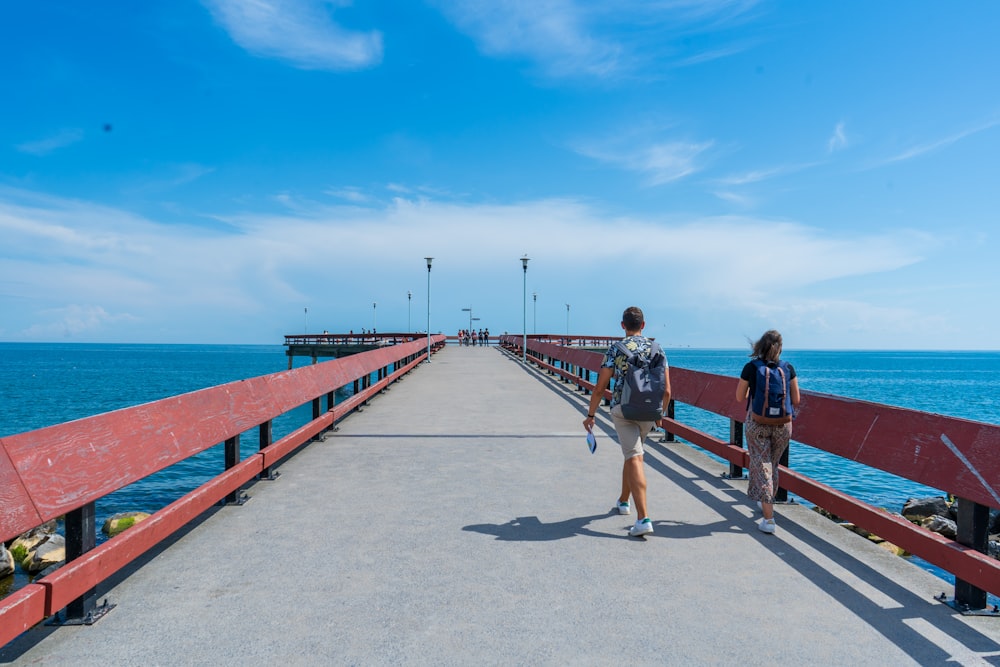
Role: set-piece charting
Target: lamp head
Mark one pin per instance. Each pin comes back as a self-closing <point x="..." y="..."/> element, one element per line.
<point x="429" y="260"/>
<point x="524" y="262"/>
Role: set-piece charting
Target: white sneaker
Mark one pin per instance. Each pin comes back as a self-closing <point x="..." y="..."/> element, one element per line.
<point x="767" y="526"/>
<point x="641" y="527"/>
<point x="623" y="508"/>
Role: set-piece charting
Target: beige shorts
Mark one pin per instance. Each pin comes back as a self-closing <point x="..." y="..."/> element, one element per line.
<point x="631" y="434"/>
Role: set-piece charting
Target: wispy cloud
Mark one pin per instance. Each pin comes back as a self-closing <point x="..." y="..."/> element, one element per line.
<point x="300" y="32"/>
<point x="42" y="147"/>
<point x="917" y="151"/>
<point x="758" y="175"/>
<point x="574" y="38"/>
<point x="838" y="140"/>
<point x="350" y="193"/>
<point x="660" y="163"/>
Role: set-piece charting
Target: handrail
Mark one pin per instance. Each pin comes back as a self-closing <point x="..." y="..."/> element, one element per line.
<point x="63" y="469"/>
<point x="942" y="452"/>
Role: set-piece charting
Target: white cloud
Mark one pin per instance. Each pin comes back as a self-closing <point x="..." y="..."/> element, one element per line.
<point x="661" y="162"/>
<point x="917" y="151"/>
<point x="300" y="32"/>
<point x="757" y="175"/>
<point x="43" y="147"/>
<point x="106" y="274"/>
<point x="838" y="140"/>
<point x="574" y="38"/>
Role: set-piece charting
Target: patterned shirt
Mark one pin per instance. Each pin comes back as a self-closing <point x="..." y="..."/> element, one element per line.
<point x="614" y="358"/>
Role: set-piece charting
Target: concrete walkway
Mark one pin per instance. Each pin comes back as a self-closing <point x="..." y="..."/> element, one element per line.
<point x="460" y="519"/>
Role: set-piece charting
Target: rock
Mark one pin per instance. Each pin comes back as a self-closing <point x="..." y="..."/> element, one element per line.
<point x="993" y="547"/>
<point x="6" y="562"/>
<point x="22" y="546"/>
<point x="50" y="551"/>
<point x="942" y="525"/>
<point x="918" y="509"/>
<point x="829" y="515"/>
<point x="854" y="528"/>
<point x="122" y="521"/>
<point x="995" y="523"/>
<point x="892" y="548"/>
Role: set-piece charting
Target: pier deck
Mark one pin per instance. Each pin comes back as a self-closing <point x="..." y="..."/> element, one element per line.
<point x="460" y="519"/>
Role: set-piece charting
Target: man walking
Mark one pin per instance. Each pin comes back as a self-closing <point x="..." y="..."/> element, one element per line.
<point x="631" y="433"/>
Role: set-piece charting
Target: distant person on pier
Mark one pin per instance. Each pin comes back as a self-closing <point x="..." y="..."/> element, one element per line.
<point x="631" y="433"/>
<point x="770" y="389"/>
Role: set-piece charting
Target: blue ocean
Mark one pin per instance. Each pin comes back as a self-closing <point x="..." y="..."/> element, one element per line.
<point x="49" y="383"/>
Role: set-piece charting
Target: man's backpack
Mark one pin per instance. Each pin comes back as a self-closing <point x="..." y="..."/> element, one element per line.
<point x="643" y="383"/>
<point x="771" y="402"/>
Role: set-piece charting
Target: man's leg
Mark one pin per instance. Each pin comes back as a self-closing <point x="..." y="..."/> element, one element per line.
<point x="626" y="491"/>
<point x="634" y="478"/>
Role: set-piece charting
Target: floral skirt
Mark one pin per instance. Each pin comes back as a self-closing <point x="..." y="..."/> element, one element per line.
<point x="765" y="444"/>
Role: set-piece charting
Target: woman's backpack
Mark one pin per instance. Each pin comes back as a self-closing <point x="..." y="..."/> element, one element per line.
<point x="771" y="402"/>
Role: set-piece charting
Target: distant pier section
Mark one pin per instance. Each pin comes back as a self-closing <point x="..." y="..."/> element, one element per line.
<point x="341" y="345"/>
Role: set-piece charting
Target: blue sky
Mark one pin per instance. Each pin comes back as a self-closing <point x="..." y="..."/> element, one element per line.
<point x="231" y="172"/>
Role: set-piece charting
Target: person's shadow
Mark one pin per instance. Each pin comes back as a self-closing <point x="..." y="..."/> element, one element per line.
<point x="530" y="529"/>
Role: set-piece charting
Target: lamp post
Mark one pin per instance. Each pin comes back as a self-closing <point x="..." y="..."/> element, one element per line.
<point x="469" y="311"/>
<point x="409" y="311"/>
<point x="534" y="313"/>
<point x="374" y="318"/>
<point x="524" y="310"/>
<point x="429" y="260"/>
<point x="305" y="322"/>
<point x="567" y="321"/>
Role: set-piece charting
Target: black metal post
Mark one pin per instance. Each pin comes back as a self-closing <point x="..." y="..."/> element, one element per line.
<point x="266" y="433"/>
<point x="735" y="439"/>
<point x="973" y="532"/>
<point x="232" y="457"/>
<point x="81" y="537"/>
<point x="781" y="495"/>
<point x="667" y="435"/>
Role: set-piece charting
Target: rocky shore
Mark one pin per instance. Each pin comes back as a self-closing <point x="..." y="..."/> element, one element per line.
<point x="42" y="549"/>
<point x="936" y="514"/>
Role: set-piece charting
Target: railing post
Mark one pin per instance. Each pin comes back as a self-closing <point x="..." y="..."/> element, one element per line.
<point x="266" y="433"/>
<point x="973" y="532"/>
<point x="232" y="456"/>
<point x="81" y="537"/>
<point x="667" y="435"/>
<point x="735" y="439"/>
<point x="781" y="494"/>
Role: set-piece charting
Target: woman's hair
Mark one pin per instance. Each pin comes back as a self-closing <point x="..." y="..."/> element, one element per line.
<point x="633" y="318"/>
<point x="768" y="347"/>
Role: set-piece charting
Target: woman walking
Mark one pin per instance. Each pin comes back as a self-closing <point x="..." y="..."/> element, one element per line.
<point x="771" y="391"/>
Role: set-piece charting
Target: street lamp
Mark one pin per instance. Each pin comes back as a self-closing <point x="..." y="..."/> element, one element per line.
<point x="374" y="318"/>
<point x="469" y="311"/>
<point x="429" y="260"/>
<point x="409" y="311"/>
<point x="305" y="323"/>
<point x="534" y="314"/>
<point x="567" y="321"/>
<point x="524" y="310"/>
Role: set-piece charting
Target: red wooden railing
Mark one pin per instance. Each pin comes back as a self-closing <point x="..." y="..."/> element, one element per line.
<point x="63" y="469"/>
<point x="957" y="455"/>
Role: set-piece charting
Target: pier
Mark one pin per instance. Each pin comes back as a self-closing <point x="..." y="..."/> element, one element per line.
<point x="451" y="513"/>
